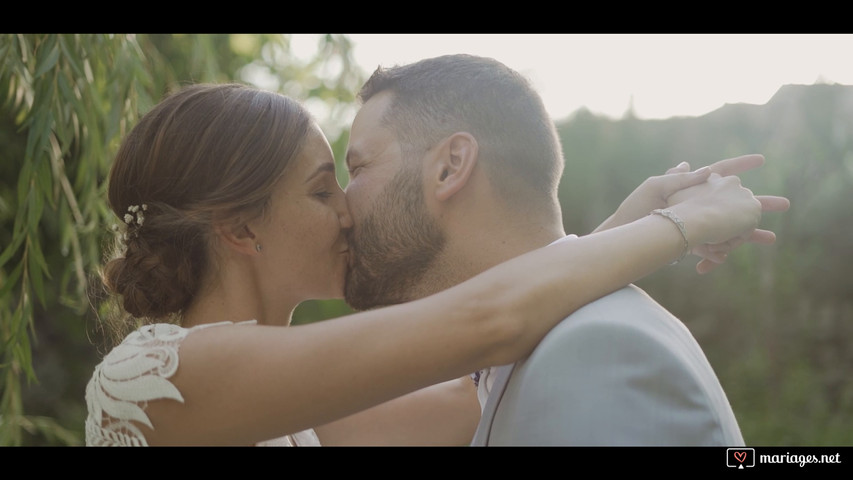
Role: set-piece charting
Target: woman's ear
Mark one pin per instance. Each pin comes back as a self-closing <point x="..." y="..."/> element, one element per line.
<point x="238" y="236"/>
<point x="454" y="160"/>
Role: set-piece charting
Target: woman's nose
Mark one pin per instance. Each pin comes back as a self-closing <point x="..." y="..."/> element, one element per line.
<point x="345" y="216"/>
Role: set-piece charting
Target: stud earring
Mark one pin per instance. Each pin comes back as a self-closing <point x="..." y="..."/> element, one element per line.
<point x="258" y="247"/>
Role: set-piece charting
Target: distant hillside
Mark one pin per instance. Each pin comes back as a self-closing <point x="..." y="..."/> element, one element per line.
<point x="804" y="131"/>
<point x="775" y="321"/>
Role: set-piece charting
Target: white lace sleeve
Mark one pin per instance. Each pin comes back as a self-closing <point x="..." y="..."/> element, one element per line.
<point x="132" y="374"/>
<point x="138" y="371"/>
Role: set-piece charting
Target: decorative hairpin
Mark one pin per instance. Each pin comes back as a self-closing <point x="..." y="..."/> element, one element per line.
<point x="139" y="219"/>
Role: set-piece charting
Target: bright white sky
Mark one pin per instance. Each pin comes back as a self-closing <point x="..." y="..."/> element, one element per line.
<point x="663" y="75"/>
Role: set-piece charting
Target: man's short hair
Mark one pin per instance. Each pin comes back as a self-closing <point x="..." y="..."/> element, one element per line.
<point x="436" y="97"/>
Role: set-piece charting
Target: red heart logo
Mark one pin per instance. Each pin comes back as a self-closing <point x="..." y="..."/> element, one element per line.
<point x="740" y="456"/>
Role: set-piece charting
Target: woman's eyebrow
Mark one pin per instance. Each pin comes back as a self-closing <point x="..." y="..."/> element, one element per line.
<point x="326" y="167"/>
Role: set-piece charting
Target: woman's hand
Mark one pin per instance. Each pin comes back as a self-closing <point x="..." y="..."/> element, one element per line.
<point x="653" y="193"/>
<point x="714" y="254"/>
<point x="719" y="211"/>
<point x="679" y="184"/>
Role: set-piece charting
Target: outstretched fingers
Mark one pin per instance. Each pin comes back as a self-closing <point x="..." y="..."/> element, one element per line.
<point x="715" y="254"/>
<point x="670" y="184"/>
<point x="737" y="165"/>
<point x="704" y="266"/>
<point x="772" y="203"/>
<point x="728" y="166"/>
<point x="763" y="237"/>
<point x="680" y="168"/>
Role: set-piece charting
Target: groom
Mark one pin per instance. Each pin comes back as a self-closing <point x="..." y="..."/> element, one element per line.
<point x="454" y="167"/>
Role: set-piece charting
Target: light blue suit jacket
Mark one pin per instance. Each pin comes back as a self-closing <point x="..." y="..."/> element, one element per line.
<point x="621" y="371"/>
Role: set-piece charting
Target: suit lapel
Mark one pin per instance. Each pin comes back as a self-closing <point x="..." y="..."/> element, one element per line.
<point x="502" y="374"/>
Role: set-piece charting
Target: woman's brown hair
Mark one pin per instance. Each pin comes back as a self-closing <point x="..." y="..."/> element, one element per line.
<point x="207" y="151"/>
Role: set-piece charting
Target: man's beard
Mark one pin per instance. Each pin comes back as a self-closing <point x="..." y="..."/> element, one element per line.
<point x="394" y="246"/>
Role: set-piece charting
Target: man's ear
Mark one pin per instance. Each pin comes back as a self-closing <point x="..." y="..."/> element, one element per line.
<point x="451" y="168"/>
<point x="237" y="236"/>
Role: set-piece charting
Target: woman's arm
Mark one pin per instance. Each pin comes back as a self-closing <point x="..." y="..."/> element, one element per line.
<point x="442" y="414"/>
<point x="242" y="385"/>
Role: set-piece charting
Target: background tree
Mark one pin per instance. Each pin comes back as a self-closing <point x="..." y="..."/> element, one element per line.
<point x="65" y="103"/>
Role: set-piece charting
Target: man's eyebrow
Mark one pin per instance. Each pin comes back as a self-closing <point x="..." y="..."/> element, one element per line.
<point x="326" y="167"/>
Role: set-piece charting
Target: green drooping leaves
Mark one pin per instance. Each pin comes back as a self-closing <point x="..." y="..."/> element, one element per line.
<point x="66" y="100"/>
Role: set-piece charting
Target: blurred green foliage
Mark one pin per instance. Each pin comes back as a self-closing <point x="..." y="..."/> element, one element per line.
<point x="774" y="321"/>
<point x="66" y="101"/>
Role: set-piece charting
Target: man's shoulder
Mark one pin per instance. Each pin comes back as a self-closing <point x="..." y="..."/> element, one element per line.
<point x="633" y="374"/>
<point x="628" y="314"/>
<point x="630" y="305"/>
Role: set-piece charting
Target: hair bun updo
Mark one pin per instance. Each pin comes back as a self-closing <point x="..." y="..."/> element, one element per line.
<point x="206" y="151"/>
<point x="156" y="272"/>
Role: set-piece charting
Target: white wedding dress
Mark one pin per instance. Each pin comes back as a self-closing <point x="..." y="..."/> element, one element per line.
<point x="137" y="371"/>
